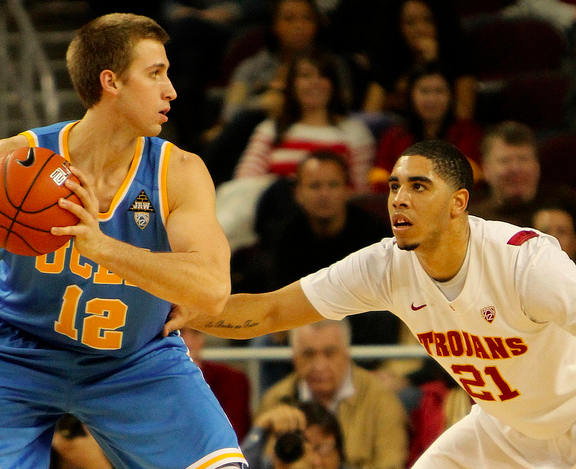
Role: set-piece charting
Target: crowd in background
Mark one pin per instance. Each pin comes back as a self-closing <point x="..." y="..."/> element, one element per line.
<point x="300" y="109"/>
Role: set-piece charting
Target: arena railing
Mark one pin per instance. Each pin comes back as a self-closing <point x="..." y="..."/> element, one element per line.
<point x="250" y="357"/>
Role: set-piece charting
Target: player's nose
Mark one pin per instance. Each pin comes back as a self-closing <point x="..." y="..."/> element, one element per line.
<point x="170" y="92"/>
<point x="400" y="197"/>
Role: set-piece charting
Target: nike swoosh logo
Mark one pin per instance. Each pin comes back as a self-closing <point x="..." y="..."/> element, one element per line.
<point x="416" y="308"/>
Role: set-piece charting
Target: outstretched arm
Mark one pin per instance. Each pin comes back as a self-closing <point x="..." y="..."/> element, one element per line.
<point x="251" y="315"/>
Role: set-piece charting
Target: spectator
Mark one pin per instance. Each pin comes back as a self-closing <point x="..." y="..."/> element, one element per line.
<point x="326" y="228"/>
<point x="429" y="116"/>
<point x="295" y="28"/>
<point x="557" y="219"/>
<point x="308" y="434"/>
<point x="255" y="90"/>
<point x="415" y="32"/>
<point x="200" y="32"/>
<point x="511" y="169"/>
<point x="74" y="447"/>
<point x="314" y="115"/>
<point x="372" y="418"/>
<point x="230" y="385"/>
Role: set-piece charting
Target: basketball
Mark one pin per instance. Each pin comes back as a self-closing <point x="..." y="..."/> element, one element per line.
<point x="31" y="182"/>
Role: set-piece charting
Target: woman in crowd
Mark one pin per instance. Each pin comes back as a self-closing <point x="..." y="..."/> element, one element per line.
<point x="430" y="114"/>
<point x="314" y="115"/>
<point x="417" y="32"/>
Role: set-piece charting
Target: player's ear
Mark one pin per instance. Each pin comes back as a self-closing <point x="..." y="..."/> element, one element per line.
<point x="460" y="202"/>
<point x="108" y="81"/>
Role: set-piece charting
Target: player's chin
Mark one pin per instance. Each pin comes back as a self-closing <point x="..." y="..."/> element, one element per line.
<point x="406" y="245"/>
<point x="152" y="131"/>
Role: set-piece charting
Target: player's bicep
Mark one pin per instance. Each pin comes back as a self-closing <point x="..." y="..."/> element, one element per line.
<point x="9" y="144"/>
<point x="192" y="225"/>
<point x="355" y="284"/>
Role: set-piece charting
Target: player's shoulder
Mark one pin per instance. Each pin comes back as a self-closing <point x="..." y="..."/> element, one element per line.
<point x="50" y="129"/>
<point x="376" y="258"/>
<point x="506" y="234"/>
<point x="179" y="157"/>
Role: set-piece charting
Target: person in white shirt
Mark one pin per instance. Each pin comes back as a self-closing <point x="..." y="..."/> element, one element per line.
<point x="494" y="304"/>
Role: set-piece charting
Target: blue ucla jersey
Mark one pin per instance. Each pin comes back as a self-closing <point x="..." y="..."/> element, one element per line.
<point x="69" y="300"/>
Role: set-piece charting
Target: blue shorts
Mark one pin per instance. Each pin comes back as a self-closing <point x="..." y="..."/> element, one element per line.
<point x="149" y="410"/>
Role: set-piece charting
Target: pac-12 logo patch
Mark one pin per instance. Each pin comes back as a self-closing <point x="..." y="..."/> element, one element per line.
<point x="489" y="313"/>
<point x="142" y="207"/>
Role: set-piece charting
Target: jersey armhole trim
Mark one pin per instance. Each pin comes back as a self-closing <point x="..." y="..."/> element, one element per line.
<point x="163" y="181"/>
<point x="31" y="137"/>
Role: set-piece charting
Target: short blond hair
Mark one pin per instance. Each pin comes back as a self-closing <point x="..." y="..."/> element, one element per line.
<point x="107" y="43"/>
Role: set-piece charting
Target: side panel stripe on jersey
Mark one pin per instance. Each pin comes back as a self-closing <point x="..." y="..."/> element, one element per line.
<point x="32" y="138"/>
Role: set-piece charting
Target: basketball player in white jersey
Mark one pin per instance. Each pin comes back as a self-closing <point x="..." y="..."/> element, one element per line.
<point x="493" y="303"/>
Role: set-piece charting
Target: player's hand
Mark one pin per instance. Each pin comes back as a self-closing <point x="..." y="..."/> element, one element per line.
<point x="281" y="419"/>
<point x="177" y="319"/>
<point x="88" y="238"/>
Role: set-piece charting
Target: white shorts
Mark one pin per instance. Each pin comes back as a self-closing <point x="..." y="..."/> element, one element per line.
<point x="481" y="441"/>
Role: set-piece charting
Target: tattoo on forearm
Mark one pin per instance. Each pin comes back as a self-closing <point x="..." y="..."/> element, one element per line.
<point x="228" y="325"/>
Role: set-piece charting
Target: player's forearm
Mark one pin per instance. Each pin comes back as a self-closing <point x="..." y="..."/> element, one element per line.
<point x="251" y="315"/>
<point x="245" y="316"/>
<point x="194" y="280"/>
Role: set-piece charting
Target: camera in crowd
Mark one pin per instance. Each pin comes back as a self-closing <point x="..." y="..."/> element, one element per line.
<point x="289" y="446"/>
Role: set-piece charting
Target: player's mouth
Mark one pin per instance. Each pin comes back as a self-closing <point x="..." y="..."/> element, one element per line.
<point x="164" y="113"/>
<point x="400" y="222"/>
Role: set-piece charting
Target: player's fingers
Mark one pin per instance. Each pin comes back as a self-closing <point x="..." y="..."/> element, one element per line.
<point x="176" y="321"/>
<point x="84" y="180"/>
<point x="87" y="182"/>
<point x="85" y="195"/>
<point x="83" y="215"/>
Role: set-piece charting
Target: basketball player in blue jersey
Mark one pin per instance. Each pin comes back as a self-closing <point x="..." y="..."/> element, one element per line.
<point x="493" y="303"/>
<point x="81" y="328"/>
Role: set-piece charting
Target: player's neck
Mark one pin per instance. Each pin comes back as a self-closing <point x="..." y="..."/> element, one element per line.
<point x="97" y="147"/>
<point x="443" y="261"/>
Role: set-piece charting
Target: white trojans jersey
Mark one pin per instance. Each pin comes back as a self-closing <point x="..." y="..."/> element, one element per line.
<point x="508" y="338"/>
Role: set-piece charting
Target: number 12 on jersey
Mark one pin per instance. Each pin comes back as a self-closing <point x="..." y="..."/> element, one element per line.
<point x="103" y="317"/>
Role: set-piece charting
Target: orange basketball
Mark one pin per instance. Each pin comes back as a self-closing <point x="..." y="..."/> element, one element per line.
<point x="31" y="182"/>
